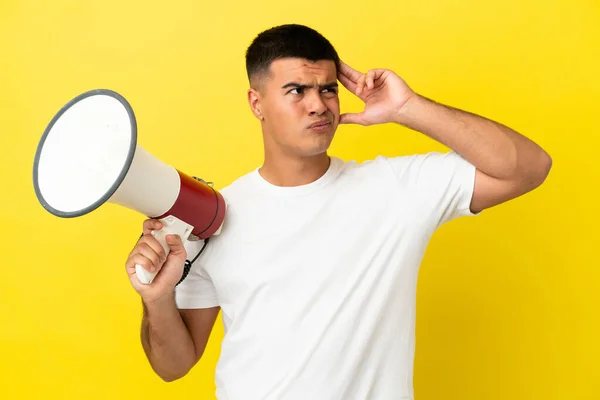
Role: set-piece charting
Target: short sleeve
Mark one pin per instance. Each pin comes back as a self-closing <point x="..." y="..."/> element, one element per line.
<point x="197" y="289"/>
<point x="442" y="183"/>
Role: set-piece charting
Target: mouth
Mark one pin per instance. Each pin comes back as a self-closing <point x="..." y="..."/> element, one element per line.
<point x="320" y="125"/>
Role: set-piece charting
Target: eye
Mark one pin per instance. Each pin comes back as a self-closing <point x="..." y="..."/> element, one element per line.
<point x="298" y="90"/>
<point x="330" y="90"/>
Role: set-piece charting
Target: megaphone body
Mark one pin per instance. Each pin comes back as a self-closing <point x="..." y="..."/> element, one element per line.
<point x="89" y="155"/>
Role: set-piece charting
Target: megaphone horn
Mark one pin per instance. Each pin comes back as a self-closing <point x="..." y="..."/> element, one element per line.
<point x="89" y="155"/>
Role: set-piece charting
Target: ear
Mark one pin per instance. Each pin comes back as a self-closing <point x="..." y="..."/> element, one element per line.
<point x="254" y="102"/>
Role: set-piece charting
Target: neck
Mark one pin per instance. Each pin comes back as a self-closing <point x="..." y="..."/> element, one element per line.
<point x="284" y="170"/>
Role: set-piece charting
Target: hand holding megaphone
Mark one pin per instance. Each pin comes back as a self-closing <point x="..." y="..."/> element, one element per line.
<point x="149" y="254"/>
<point x="170" y="226"/>
<point x="89" y="155"/>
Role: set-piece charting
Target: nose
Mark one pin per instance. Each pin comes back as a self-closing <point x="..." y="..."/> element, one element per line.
<point x="316" y="105"/>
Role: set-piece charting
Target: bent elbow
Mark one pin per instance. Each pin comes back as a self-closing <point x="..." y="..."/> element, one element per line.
<point x="537" y="172"/>
<point x="171" y="377"/>
<point x="173" y="373"/>
<point x="545" y="165"/>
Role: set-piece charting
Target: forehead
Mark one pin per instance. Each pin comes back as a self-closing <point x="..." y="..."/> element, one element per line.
<point x="303" y="71"/>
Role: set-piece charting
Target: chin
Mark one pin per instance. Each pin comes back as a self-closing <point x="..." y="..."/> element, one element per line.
<point x="316" y="150"/>
<point x="312" y="145"/>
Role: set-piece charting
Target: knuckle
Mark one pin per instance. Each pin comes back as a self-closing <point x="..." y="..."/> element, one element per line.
<point x="148" y="225"/>
<point x="133" y="253"/>
<point x="155" y="259"/>
<point x="142" y="247"/>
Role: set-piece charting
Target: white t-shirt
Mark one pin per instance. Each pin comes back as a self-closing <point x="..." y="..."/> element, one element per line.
<point x="317" y="283"/>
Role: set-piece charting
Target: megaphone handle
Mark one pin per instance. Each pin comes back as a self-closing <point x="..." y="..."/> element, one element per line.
<point x="171" y="226"/>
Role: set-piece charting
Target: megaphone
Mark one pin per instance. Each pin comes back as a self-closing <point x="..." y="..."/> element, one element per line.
<point x="89" y="155"/>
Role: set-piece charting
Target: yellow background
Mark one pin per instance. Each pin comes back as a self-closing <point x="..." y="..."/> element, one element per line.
<point x="508" y="302"/>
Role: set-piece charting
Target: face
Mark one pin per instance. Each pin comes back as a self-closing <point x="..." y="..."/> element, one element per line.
<point x="298" y="106"/>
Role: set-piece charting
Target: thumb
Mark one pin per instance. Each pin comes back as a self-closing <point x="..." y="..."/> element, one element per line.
<point x="351" y="118"/>
<point x="175" y="244"/>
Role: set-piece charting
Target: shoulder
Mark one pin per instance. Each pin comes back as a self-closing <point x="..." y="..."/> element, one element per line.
<point x="399" y="167"/>
<point x="431" y="165"/>
<point x="374" y="165"/>
<point x="421" y="174"/>
<point x="240" y="186"/>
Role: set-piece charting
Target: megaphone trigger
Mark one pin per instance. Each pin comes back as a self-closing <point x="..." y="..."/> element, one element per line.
<point x="171" y="226"/>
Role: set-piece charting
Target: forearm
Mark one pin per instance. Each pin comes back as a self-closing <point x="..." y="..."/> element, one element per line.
<point x="166" y="340"/>
<point x="493" y="148"/>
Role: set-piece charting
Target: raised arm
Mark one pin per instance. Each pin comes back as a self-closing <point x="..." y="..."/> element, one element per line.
<point x="508" y="164"/>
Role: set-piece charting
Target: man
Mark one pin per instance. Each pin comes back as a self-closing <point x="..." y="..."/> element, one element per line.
<point x="315" y="270"/>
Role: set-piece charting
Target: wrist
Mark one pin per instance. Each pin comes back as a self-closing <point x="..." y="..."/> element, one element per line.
<point x="159" y="301"/>
<point x="410" y="110"/>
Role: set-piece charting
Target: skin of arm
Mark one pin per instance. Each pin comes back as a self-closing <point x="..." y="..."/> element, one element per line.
<point x="174" y="340"/>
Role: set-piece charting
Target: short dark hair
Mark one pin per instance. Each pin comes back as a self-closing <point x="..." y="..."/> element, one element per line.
<point x="287" y="41"/>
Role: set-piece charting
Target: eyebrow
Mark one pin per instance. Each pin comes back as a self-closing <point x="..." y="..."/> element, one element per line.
<point x="328" y="85"/>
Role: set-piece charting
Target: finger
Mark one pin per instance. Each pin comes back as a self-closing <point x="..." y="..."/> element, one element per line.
<point x="176" y="245"/>
<point x="370" y="79"/>
<point x="150" y="225"/>
<point x="348" y="84"/>
<point x="147" y="251"/>
<point x="349" y="72"/>
<point x="139" y="259"/>
<point x="155" y="245"/>
<point x="351" y="118"/>
<point x="379" y="76"/>
<point x="360" y="84"/>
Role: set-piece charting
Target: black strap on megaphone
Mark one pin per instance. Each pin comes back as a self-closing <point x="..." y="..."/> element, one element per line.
<point x="188" y="264"/>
